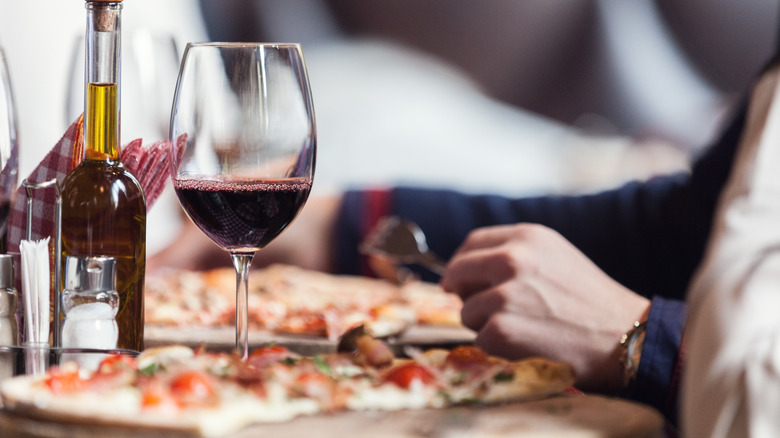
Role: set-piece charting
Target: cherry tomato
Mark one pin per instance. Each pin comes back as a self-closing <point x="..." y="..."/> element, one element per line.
<point x="60" y="382"/>
<point x="269" y="354"/>
<point x="270" y="349"/>
<point x="192" y="387"/>
<point x="304" y="321"/>
<point x="155" y="394"/>
<point x="404" y="375"/>
<point x="467" y="356"/>
<point x="117" y="362"/>
<point x="152" y="396"/>
<point x="312" y="384"/>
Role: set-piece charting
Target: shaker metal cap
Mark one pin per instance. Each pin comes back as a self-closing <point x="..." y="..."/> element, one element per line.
<point x="90" y="273"/>
<point x="6" y="271"/>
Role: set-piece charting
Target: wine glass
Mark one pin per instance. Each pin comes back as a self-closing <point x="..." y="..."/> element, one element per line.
<point x="243" y="141"/>
<point x="9" y="161"/>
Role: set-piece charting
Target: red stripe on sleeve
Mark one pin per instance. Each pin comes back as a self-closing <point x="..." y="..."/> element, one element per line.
<point x="376" y="204"/>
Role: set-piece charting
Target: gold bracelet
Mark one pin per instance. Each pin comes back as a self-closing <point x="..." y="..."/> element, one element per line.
<point x="631" y="351"/>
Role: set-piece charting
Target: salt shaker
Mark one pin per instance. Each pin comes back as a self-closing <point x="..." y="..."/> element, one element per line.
<point x="8" y="301"/>
<point x="89" y="303"/>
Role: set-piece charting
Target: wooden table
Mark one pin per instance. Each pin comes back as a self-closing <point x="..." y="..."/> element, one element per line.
<point x="572" y="416"/>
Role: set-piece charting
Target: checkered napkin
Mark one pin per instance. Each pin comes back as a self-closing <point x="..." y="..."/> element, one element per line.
<point x="149" y="164"/>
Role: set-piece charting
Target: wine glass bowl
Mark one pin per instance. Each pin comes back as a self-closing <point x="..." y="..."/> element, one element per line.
<point x="9" y="161"/>
<point x="243" y="141"/>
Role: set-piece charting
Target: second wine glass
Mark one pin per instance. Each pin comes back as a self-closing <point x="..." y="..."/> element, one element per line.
<point x="9" y="150"/>
<point x="243" y="139"/>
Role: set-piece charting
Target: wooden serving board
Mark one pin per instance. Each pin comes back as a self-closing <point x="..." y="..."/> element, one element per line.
<point x="224" y="338"/>
<point x="562" y="416"/>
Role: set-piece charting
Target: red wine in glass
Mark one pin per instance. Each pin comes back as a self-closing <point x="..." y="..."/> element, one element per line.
<point x="242" y="216"/>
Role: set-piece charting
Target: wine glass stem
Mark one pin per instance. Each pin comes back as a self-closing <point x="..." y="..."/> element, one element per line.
<point x="241" y="262"/>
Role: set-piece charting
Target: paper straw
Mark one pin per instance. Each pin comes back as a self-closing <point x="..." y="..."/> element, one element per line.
<point x="35" y="289"/>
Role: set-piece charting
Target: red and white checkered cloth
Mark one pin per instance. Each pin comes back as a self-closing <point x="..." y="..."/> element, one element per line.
<point x="148" y="164"/>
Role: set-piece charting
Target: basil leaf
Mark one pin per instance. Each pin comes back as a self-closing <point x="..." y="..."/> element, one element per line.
<point x="321" y="365"/>
<point x="505" y="376"/>
<point x="149" y="370"/>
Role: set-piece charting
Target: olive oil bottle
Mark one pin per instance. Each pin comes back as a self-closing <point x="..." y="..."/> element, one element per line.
<point x="103" y="205"/>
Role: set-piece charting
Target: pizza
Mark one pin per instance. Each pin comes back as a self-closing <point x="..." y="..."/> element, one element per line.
<point x="177" y="388"/>
<point x="292" y="300"/>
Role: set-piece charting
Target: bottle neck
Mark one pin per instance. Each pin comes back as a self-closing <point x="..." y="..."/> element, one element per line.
<point x="102" y="75"/>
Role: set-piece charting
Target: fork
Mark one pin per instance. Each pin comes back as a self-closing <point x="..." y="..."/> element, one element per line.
<point x="401" y="241"/>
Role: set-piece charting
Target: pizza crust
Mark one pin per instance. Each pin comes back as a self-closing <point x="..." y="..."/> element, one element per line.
<point x="534" y="379"/>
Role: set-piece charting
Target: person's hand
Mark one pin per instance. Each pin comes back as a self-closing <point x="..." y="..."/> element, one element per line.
<point x="527" y="291"/>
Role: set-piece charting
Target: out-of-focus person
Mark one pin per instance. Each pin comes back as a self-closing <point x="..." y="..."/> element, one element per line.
<point x="558" y="276"/>
<point x="494" y="83"/>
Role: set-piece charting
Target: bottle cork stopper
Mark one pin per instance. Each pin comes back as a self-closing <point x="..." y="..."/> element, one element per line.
<point x="105" y="14"/>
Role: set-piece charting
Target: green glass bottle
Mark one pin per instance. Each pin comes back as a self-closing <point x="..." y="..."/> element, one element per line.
<point x="103" y="205"/>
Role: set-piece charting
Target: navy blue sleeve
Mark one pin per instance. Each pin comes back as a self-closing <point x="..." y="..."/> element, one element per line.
<point x="662" y="358"/>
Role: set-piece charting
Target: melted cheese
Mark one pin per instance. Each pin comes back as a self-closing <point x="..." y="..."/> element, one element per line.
<point x="392" y="398"/>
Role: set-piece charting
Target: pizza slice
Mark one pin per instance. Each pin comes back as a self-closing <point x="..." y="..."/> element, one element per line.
<point x="282" y="299"/>
<point x="205" y="393"/>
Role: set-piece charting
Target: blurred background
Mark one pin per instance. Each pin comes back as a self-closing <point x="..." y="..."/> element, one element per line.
<point x="513" y="97"/>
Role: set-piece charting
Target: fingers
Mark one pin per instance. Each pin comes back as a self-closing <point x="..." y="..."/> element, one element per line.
<point x="506" y="335"/>
<point x="490" y="256"/>
<point x="480" y="307"/>
<point x="471" y="272"/>
<point x="491" y="236"/>
<point x="476" y="271"/>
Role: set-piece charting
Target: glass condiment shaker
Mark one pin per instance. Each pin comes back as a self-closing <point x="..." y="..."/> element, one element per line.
<point x="89" y="303"/>
<point x="8" y="301"/>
